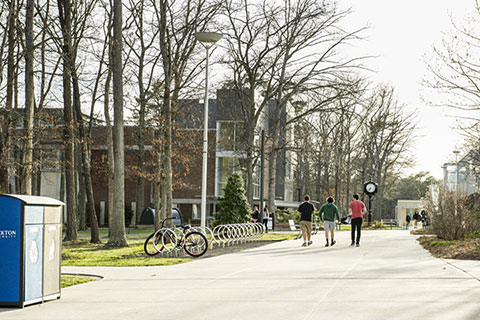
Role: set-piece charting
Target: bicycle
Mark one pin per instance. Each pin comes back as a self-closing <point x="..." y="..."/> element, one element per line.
<point x="168" y="239"/>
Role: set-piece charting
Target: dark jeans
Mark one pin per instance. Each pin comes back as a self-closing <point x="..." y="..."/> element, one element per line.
<point x="356" y="224"/>
<point x="265" y="222"/>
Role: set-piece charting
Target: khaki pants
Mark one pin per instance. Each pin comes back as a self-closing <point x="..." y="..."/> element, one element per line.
<point x="306" y="226"/>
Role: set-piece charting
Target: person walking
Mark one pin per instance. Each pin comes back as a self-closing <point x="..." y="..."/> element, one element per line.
<point x="408" y="219"/>
<point x="423" y="216"/>
<point x="265" y="218"/>
<point x="328" y="215"/>
<point x="306" y="209"/>
<point x="416" y="218"/>
<point x="357" y="210"/>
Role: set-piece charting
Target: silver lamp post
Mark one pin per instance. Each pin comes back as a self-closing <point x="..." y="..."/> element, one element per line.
<point x="208" y="39"/>
<point x="456" y="179"/>
<point x="456" y="152"/>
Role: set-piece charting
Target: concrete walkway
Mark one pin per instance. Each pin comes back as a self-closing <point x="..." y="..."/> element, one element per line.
<point x="389" y="277"/>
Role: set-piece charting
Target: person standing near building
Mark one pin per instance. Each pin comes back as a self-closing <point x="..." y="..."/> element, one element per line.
<point x="306" y="209"/>
<point x="357" y="210"/>
<point x="328" y="214"/>
<point x="265" y="218"/>
<point x="408" y="219"/>
<point x="255" y="214"/>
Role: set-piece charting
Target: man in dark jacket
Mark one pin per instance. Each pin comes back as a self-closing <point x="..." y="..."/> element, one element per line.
<point x="328" y="214"/>
<point x="306" y="209"/>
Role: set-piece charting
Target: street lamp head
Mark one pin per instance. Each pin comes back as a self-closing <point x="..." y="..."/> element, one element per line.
<point x="208" y="37"/>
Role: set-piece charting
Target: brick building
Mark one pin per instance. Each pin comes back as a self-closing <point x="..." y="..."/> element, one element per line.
<point x="224" y="158"/>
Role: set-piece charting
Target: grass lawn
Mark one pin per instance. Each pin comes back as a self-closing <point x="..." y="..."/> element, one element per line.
<point x="83" y="253"/>
<point x="69" y="280"/>
<point x="277" y="236"/>
<point x="372" y="227"/>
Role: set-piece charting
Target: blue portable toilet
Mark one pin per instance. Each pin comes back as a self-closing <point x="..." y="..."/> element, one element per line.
<point x="30" y="247"/>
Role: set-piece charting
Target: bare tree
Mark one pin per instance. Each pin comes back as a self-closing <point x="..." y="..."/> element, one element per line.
<point x="7" y="143"/>
<point x="29" y="100"/>
<point x="283" y="50"/>
<point x="307" y="24"/>
<point x="387" y="135"/>
<point x="117" y="229"/>
<point x="177" y="23"/>
<point x="454" y="76"/>
<point x="64" y="9"/>
<point x="453" y="79"/>
<point x="142" y="45"/>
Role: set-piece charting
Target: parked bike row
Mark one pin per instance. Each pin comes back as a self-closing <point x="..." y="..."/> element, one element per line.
<point x="170" y="241"/>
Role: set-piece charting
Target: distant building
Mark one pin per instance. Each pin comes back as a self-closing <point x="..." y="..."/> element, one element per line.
<point x="407" y="207"/>
<point x="460" y="176"/>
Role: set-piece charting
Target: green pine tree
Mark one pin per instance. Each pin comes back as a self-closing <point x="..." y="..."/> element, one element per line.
<point x="233" y="207"/>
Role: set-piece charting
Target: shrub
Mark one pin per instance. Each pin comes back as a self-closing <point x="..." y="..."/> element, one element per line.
<point x="233" y="207"/>
<point x="283" y="215"/>
<point x="377" y="225"/>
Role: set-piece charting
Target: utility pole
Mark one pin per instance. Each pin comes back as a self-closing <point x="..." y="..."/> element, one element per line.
<point x="262" y="174"/>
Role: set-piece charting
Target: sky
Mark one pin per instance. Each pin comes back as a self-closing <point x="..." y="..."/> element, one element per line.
<point x="402" y="34"/>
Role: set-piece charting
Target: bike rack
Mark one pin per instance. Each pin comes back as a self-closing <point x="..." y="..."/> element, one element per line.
<point x="230" y="234"/>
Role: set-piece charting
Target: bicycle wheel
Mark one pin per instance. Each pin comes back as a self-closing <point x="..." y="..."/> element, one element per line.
<point x="196" y="244"/>
<point x="157" y="239"/>
<point x="169" y="240"/>
<point x="149" y="246"/>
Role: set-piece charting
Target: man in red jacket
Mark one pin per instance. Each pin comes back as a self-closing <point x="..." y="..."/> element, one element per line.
<point x="357" y="210"/>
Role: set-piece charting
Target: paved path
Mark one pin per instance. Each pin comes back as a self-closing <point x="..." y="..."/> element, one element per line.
<point x="389" y="277"/>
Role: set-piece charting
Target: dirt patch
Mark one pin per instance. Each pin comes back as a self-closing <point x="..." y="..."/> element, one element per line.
<point x="467" y="249"/>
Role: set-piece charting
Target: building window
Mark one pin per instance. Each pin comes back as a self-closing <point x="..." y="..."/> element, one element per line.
<point x="229" y="152"/>
<point x="229" y="135"/>
<point x="226" y="167"/>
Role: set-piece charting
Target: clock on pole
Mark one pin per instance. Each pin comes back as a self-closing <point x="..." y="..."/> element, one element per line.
<point x="370" y="188"/>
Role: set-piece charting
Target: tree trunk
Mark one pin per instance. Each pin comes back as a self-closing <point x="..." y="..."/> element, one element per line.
<point x="167" y="166"/>
<point x="7" y="129"/>
<point x="85" y="158"/>
<point x="110" y="157"/>
<point x="157" y="203"/>
<point x="157" y="190"/>
<point x="29" y="100"/>
<point x="250" y="138"/>
<point x="117" y="229"/>
<point x="82" y="217"/>
<point x="272" y="163"/>
<point x="141" y="162"/>
<point x="167" y="108"/>
<point x="64" y="8"/>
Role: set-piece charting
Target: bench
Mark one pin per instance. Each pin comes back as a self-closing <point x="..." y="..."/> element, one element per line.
<point x="391" y="222"/>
